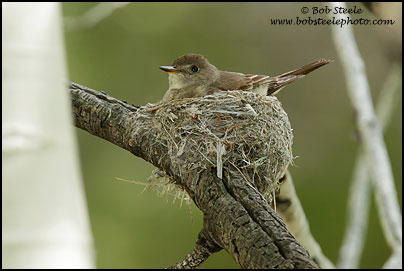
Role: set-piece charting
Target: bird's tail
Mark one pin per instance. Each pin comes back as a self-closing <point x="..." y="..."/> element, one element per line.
<point x="291" y="76"/>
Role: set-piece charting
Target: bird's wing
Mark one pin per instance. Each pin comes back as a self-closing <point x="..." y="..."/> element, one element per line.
<point x="248" y="82"/>
<point x="273" y="83"/>
<point x="240" y="81"/>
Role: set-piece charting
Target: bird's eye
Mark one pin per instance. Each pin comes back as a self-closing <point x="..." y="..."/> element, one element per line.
<point x="194" y="69"/>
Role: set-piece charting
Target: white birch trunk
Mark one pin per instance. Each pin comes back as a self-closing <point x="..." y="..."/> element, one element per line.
<point x="44" y="214"/>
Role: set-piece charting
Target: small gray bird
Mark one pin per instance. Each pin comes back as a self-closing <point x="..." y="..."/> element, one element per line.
<point x="192" y="75"/>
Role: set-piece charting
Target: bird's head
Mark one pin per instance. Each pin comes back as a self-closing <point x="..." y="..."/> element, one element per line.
<point x="190" y="70"/>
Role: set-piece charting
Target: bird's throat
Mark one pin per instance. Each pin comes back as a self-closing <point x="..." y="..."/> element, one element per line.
<point x="176" y="81"/>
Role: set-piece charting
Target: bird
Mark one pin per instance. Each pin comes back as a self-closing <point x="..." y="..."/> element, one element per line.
<point x="192" y="75"/>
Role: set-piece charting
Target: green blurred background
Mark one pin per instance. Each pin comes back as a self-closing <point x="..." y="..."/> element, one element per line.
<point x="121" y="55"/>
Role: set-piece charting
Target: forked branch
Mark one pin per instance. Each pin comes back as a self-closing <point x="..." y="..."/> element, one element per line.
<point x="181" y="138"/>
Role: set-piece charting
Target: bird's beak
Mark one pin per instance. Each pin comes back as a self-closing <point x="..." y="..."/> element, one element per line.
<point x="169" y="69"/>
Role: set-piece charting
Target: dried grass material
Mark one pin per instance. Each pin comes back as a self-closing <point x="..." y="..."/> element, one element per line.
<point x="236" y="131"/>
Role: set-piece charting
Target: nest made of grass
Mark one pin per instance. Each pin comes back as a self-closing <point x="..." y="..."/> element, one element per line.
<point x="236" y="131"/>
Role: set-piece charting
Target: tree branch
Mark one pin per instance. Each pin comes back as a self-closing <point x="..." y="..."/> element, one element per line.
<point x="202" y="250"/>
<point x="370" y="132"/>
<point x="178" y="138"/>
<point x="93" y="16"/>
<point x="359" y="194"/>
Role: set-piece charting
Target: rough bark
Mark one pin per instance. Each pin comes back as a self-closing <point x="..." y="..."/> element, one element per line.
<point x="236" y="215"/>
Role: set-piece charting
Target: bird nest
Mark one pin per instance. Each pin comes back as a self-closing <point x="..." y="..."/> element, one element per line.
<point x="236" y="131"/>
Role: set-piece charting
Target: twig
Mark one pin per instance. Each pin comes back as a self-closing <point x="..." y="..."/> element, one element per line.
<point x="358" y="210"/>
<point x="358" y="203"/>
<point x="395" y="260"/>
<point x="202" y="250"/>
<point x="93" y="16"/>
<point x="389" y="96"/>
<point x="370" y="132"/>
